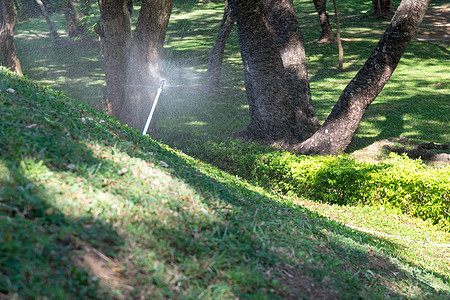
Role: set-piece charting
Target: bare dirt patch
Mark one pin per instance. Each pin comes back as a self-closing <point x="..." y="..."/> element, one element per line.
<point x="428" y="152"/>
<point x="435" y="25"/>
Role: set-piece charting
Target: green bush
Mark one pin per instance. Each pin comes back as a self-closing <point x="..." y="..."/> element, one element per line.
<point x="398" y="182"/>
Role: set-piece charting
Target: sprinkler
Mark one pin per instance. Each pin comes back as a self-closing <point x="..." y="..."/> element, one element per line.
<point x="149" y="119"/>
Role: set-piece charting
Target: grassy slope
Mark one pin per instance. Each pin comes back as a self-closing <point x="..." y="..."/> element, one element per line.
<point x="407" y="106"/>
<point x="91" y="209"/>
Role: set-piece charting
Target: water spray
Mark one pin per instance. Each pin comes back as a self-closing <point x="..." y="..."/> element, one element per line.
<point x="149" y="119"/>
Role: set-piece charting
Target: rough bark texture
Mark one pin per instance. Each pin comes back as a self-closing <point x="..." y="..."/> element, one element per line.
<point x="73" y="20"/>
<point x="7" y="26"/>
<point x="326" y="33"/>
<point x="275" y="72"/>
<point x="52" y="30"/>
<point x="216" y="56"/>
<point x="143" y="72"/>
<point x="340" y="126"/>
<point x="117" y="37"/>
<point x="132" y="62"/>
<point x="381" y="7"/>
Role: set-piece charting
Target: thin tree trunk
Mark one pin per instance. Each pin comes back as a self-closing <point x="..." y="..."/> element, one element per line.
<point x="338" y="37"/>
<point x="7" y="26"/>
<point x="216" y="56"/>
<point x="336" y="133"/>
<point x="53" y="32"/>
<point x="326" y="33"/>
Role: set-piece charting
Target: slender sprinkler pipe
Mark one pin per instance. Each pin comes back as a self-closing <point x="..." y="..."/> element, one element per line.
<point x="149" y="119"/>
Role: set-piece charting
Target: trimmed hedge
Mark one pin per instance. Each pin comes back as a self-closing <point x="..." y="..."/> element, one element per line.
<point x="397" y="182"/>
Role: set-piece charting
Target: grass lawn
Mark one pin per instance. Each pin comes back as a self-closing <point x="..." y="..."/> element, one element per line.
<point x="91" y="209"/>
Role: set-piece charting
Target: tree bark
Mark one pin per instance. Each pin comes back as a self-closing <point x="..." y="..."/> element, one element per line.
<point x="326" y="33"/>
<point x="337" y="131"/>
<point x="7" y="26"/>
<point x="75" y="29"/>
<point x="381" y="8"/>
<point x="117" y="40"/>
<point x="52" y="30"/>
<point x="338" y="37"/>
<point x="216" y="56"/>
<point x="144" y="70"/>
<point x="276" y="77"/>
<point x="132" y="62"/>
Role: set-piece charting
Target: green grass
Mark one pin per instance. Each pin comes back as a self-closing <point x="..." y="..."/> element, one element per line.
<point x="90" y="209"/>
<point x="79" y="192"/>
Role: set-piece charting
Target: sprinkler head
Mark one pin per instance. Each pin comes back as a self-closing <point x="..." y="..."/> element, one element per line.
<point x="161" y="85"/>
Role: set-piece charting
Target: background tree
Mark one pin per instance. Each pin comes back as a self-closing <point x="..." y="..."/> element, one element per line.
<point x="326" y="33"/>
<point x="73" y="18"/>
<point x="263" y="61"/>
<point x="132" y="60"/>
<point x="7" y="26"/>
<point x="214" y="70"/>
<point x="53" y="33"/>
<point x="381" y="8"/>
<point x="338" y="37"/>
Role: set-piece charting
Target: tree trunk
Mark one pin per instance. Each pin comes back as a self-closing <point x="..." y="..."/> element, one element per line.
<point x="143" y="72"/>
<point x="338" y="37"/>
<point x="117" y="37"/>
<point x="381" y="8"/>
<point x="275" y="72"/>
<point x="75" y="29"/>
<point x="132" y="63"/>
<point x="326" y="33"/>
<point x="216" y="56"/>
<point x="53" y="32"/>
<point x="7" y="26"/>
<point x="336" y="133"/>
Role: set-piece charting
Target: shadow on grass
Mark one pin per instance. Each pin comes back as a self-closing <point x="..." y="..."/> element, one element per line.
<point x="244" y="243"/>
<point x="44" y="251"/>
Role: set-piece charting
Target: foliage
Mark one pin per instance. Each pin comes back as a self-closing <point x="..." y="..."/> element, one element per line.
<point x="397" y="182"/>
<point x="91" y="209"/>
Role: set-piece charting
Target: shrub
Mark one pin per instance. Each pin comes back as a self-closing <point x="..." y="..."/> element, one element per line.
<point x="398" y="182"/>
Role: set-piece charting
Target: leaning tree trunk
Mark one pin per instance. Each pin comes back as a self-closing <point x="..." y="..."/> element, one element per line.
<point x="7" y="26"/>
<point x="144" y="71"/>
<point x="326" y="33"/>
<point x="216" y="56"/>
<point x="336" y="133"/>
<point x="275" y="72"/>
<point x="52" y="30"/>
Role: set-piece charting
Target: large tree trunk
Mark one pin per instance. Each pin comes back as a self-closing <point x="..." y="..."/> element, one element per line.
<point x="143" y="72"/>
<point x="216" y="56"/>
<point x="132" y="63"/>
<point x="52" y="30"/>
<point x="116" y="16"/>
<point x="268" y="92"/>
<point x="275" y="72"/>
<point x="73" y="19"/>
<point x="7" y="26"/>
<point x="326" y="33"/>
<point x="336" y="133"/>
